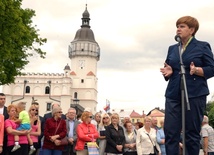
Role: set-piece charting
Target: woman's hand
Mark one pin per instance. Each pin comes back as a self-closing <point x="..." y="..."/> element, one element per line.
<point x="119" y="147"/>
<point x="57" y="142"/>
<point x="166" y="71"/>
<point x="1" y="149"/>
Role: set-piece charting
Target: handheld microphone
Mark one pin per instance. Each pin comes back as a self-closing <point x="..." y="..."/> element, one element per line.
<point x="178" y="38"/>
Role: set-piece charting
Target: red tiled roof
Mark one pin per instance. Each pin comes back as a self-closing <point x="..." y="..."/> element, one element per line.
<point x="135" y="114"/>
<point x="90" y="73"/>
<point x="73" y="73"/>
<point x="157" y="114"/>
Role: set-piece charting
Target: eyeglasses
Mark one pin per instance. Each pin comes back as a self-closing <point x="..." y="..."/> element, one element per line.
<point x="34" y="109"/>
<point x="105" y="118"/>
<point x="59" y="112"/>
<point x="90" y="116"/>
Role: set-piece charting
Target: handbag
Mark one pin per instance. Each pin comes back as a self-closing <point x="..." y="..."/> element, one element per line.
<point x="156" y="151"/>
<point x="93" y="148"/>
<point x="63" y="141"/>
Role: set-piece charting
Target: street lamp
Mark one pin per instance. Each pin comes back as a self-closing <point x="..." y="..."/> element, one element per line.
<point x="76" y="102"/>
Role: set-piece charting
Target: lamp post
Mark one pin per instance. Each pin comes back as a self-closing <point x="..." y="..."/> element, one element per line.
<point x="76" y="102"/>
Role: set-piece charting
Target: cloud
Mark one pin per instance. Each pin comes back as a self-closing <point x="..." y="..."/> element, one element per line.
<point x="133" y="36"/>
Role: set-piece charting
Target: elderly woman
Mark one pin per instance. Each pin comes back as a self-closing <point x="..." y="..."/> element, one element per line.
<point x="35" y="126"/>
<point x="130" y="137"/>
<point x="115" y="137"/>
<point x="105" y="121"/>
<point x="10" y="127"/>
<point x="86" y="132"/>
<point x="146" y="139"/>
<point x="55" y="129"/>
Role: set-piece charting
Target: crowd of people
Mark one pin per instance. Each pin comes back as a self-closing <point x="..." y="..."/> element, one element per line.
<point x="44" y="135"/>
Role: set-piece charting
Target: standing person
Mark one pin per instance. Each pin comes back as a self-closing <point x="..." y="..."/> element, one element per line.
<point x="207" y="136"/>
<point x="36" y="104"/>
<point x="35" y="127"/>
<point x="115" y="137"/>
<point x="105" y="121"/>
<point x="154" y="123"/>
<point x="55" y="129"/>
<point x="3" y="111"/>
<point x="146" y="139"/>
<point x="161" y="138"/>
<point x="71" y="125"/>
<point x="24" y="124"/>
<point x="86" y="132"/>
<point x="1" y="132"/>
<point x="10" y="127"/>
<point x="97" y="118"/>
<point x="130" y="139"/>
<point x="199" y="66"/>
<point x="138" y="125"/>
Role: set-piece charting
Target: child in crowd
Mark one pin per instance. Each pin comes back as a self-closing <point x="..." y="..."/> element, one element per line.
<point x="24" y="121"/>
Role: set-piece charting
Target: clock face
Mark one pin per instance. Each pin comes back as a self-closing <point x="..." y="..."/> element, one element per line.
<point x="82" y="63"/>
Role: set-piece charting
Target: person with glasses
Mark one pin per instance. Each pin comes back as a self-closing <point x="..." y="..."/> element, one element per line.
<point x="86" y="132"/>
<point x="24" y="124"/>
<point x="35" y="127"/>
<point x="105" y="121"/>
<point x="55" y="130"/>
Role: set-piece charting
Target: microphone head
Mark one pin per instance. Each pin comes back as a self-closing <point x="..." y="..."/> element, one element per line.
<point x="178" y="38"/>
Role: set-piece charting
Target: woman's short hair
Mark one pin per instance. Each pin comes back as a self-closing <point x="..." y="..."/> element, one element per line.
<point x="147" y="118"/>
<point x="55" y="110"/>
<point x="127" y="122"/>
<point x="190" y="21"/>
<point x="10" y="107"/>
<point x="85" y="115"/>
<point x="115" y="115"/>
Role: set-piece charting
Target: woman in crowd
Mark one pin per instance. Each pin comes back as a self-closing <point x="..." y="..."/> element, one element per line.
<point x="35" y="126"/>
<point x="146" y="139"/>
<point x="105" y="121"/>
<point x="86" y="132"/>
<point x="55" y="129"/>
<point x="1" y="132"/>
<point x="130" y="139"/>
<point x="115" y="137"/>
<point x="10" y="127"/>
<point x="138" y="125"/>
<point x="161" y="138"/>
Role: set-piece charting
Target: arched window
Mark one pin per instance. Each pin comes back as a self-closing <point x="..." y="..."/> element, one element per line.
<point x="27" y="90"/>
<point x="47" y="90"/>
<point x="75" y="95"/>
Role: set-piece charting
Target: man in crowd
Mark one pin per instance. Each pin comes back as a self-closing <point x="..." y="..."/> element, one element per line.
<point x="207" y="137"/>
<point x="154" y="124"/>
<point x="71" y="125"/>
<point x="3" y="111"/>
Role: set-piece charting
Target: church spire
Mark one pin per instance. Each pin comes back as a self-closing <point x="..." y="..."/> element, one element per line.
<point x="85" y="18"/>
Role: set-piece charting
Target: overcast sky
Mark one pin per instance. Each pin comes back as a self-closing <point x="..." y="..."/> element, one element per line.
<point x="133" y="35"/>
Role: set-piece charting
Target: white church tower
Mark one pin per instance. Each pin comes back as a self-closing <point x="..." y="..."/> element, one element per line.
<point x="76" y="87"/>
<point x="84" y="53"/>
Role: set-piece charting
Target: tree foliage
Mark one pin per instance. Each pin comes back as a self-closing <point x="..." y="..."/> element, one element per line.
<point x="19" y="39"/>
<point x="210" y="113"/>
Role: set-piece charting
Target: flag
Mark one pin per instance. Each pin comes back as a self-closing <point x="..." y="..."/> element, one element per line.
<point x="107" y="107"/>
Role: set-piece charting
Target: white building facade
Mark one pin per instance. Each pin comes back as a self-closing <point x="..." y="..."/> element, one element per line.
<point x="76" y="87"/>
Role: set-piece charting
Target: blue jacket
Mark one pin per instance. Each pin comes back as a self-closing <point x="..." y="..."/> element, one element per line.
<point x="201" y="55"/>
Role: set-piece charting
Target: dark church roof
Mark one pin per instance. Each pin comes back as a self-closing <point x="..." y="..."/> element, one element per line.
<point x="85" y="33"/>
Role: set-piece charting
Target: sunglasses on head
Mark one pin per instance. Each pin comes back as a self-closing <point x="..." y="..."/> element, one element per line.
<point x="34" y="109"/>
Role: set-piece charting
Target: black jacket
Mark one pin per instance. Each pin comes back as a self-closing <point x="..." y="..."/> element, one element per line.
<point x="114" y="137"/>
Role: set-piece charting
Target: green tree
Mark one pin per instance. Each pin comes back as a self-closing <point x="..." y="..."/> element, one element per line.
<point x="210" y="112"/>
<point x="19" y="39"/>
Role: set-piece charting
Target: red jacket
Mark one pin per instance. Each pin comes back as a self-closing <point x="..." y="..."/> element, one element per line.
<point x="85" y="133"/>
<point x="50" y="128"/>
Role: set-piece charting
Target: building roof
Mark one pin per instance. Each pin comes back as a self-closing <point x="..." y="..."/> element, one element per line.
<point x="135" y="115"/>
